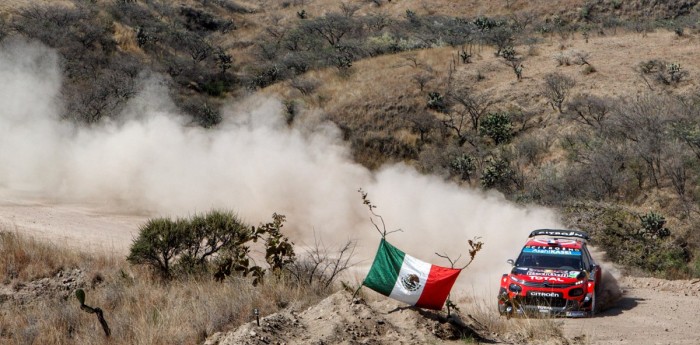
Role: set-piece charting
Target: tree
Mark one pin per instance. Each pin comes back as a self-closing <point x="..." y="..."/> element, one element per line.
<point x="348" y="10"/>
<point x="159" y="243"/>
<point x="207" y="234"/>
<point x="470" y="104"/>
<point x="556" y="88"/>
<point x="645" y="124"/>
<point x="423" y="123"/>
<point x="512" y="59"/>
<point x="422" y="79"/>
<point x="331" y="27"/>
<point x="500" y="37"/>
<point x="590" y="110"/>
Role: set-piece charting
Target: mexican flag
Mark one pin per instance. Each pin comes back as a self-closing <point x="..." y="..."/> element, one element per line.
<point x="407" y="279"/>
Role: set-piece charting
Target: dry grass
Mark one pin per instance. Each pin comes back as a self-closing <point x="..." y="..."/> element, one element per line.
<point x="138" y="308"/>
<point x="26" y="259"/>
<point x="287" y="9"/>
<point x="518" y="330"/>
<point x="125" y="37"/>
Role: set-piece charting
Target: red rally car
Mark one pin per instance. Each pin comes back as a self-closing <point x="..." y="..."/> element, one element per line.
<point x="553" y="275"/>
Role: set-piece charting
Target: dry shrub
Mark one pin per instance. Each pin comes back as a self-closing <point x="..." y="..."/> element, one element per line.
<point x="139" y="307"/>
<point x="516" y="330"/>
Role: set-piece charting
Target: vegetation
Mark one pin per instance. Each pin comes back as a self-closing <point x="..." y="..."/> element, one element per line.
<point x="139" y="306"/>
<point x="188" y="246"/>
<point x="621" y="162"/>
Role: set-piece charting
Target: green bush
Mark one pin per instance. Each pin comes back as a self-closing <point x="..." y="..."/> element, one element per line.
<point x="497" y="173"/>
<point x="498" y="127"/>
<point x="436" y="102"/>
<point x="653" y="225"/>
<point x="216" y="241"/>
<point x="463" y="166"/>
<point x="159" y="244"/>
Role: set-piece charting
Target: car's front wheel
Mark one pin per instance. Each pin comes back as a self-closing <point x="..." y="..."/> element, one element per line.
<point x="594" y="303"/>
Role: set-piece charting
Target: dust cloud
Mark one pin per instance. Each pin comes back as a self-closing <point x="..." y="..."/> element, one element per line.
<point x="152" y="160"/>
<point x="610" y="290"/>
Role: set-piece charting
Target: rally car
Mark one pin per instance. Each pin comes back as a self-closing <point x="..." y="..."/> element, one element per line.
<point x="553" y="275"/>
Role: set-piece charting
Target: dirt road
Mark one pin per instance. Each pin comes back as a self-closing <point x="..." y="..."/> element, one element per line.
<point x="651" y="311"/>
<point x="88" y="228"/>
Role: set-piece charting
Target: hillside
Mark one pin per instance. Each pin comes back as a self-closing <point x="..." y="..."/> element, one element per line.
<point x="462" y="120"/>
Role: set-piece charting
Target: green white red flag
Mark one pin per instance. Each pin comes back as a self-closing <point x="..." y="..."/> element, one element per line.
<point x="402" y="277"/>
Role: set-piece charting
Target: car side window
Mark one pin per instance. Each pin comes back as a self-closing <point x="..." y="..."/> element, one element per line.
<point x="586" y="258"/>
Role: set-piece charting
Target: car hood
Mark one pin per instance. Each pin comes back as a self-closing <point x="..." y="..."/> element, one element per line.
<point x="540" y="275"/>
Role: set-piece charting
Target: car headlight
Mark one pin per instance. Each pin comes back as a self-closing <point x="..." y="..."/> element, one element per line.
<point x="517" y="280"/>
<point x="515" y="288"/>
<point x="576" y="292"/>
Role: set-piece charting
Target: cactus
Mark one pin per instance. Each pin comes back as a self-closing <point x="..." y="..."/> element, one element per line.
<point x="653" y="225"/>
<point x="80" y="295"/>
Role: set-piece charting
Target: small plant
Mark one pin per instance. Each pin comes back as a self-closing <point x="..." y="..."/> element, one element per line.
<point x="509" y="53"/>
<point x="653" y="225"/>
<point x="562" y="59"/>
<point x="465" y="56"/>
<point x="80" y="295"/>
<point x="676" y="74"/>
<point x="662" y="72"/>
<point x="496" y="173"/>
<point x="437" y="102"/>
<point x="279" y="251"/>
<point x="463" y="166"/>
<point x="678" y="30"/>
<point x="588" y="70"/>
<point x="475" y="245"/>
<point x="412" y="17"/>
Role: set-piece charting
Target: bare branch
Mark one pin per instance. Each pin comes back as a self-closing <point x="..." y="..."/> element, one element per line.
<point x="475" y="246"/>
<point x="371" y="207"/>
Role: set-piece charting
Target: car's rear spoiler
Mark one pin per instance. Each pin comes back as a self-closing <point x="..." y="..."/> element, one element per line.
<point x="561" y="233"/>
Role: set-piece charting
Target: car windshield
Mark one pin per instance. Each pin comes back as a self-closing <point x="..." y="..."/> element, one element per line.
<point x="556" y="261"/>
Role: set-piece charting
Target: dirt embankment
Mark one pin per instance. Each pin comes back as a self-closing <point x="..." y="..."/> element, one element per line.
<point x="340" y="319"/>
<point x="650" y="311"/>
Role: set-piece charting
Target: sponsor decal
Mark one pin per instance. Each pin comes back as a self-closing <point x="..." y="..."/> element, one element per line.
<point x="545" y="242"/>
<point x="551" y="250"/>
<point x="548" y="273"/>
<point x="544" y="294"/>
<point x="559" y="233"/>
<point x="548" y="279"/>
